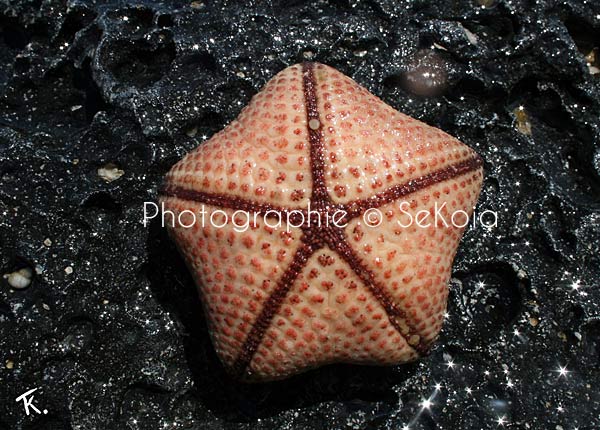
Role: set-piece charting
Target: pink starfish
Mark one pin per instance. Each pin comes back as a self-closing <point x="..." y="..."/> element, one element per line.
<point x="283" y="298"/>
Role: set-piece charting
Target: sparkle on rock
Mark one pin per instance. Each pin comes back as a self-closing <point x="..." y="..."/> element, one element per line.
<point x="426" y="404"/>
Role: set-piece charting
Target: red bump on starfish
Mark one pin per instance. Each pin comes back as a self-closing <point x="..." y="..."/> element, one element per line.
<point x="284" y="297"/>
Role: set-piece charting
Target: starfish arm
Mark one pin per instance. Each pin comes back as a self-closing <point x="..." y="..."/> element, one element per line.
<point x="270" y="309"/>
<point x="315" y="135"/>
<point x="358" y="207"/>
<point x="396" y="315"/>
<point x="230" y="202"/>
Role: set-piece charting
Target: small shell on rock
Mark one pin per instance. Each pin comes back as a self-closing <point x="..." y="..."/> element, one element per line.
<point x="19" y="279"/>
<point x="593" y="61"/>
<point x="522" y="121"/>
<point x="110" y="172"/>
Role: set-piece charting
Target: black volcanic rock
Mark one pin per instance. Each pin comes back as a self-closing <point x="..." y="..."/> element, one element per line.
<point x="111" y="331"/>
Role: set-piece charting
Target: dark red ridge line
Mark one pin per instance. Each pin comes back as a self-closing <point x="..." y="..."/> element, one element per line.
<point x="270" y="309"/>
<point x="396" y="315"/>
<point x="315" y="136"/>
<point x="357" y="207"/>
<point x="229" y="202"/>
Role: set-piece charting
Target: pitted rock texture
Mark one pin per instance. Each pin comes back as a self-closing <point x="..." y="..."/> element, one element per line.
<point x="111" y="328"/>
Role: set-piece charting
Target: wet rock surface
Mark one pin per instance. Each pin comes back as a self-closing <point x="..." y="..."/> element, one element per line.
<point x="99" y="100"/>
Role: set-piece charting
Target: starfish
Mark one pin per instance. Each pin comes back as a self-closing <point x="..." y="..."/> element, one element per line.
<point x="332" y="265"/>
